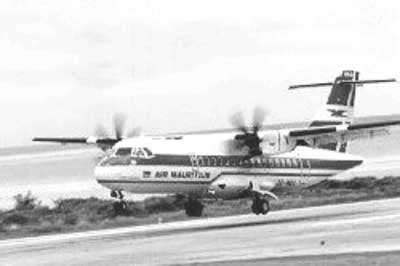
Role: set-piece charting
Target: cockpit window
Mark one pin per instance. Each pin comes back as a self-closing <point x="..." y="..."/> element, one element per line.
<point x="116" y="161"/>
<point x="141" y="152"/>
<point x="126" y="156"/>
<point x="148" y="152"/>
<point x="123" y="152"/>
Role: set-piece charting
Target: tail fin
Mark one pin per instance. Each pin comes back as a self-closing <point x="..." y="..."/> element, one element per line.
<point x="339" y="108"/>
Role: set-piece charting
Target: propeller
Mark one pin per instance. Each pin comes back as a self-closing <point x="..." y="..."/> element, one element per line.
<point x="119" y="130"/>
<point x="119" y="121"/>
<point x="248" y="136"/>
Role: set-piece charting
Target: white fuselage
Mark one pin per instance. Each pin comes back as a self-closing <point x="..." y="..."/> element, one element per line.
<point x="198" y="164"/>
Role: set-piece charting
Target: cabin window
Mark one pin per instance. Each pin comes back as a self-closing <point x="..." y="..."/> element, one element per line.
<point x="206" y="161"/>
<point x="200" y="161"/>
<point x="271" y="163"/>
<point x="301" y="163"/>
<point x="123" y="152"/>
<point x="289" y="163"/>
<point x="227" y="162"/>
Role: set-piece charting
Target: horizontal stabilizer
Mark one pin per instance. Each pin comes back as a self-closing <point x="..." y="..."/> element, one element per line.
<point x="344" y="82"/>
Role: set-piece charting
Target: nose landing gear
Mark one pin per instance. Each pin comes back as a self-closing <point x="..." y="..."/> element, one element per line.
<point x="120" y="207"/>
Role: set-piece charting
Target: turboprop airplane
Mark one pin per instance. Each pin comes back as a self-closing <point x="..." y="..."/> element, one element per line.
<point x="248" y="161"/>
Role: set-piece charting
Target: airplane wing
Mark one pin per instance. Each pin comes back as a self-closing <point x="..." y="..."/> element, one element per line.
<point x="62" y="140"/>
<point x="103" y="143"/>
<point x="343" y="132"/>
<point x="102" y="139"/>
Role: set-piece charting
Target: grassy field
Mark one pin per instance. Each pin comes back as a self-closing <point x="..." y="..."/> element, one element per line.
<point x="29" y="217"/>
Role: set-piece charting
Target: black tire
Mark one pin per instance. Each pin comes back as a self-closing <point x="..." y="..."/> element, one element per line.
<point x="264" y="206"/>
<point x="193" y="208"/>
<point x="113" y="194"/>
<point x="120" y="208"/>
<point x="260" y="205"/>
<point x="255" y="207"/>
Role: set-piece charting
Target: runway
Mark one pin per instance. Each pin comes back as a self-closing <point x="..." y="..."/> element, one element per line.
<point x="357" y="228"/>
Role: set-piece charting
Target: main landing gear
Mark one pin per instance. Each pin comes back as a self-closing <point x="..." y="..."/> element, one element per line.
<point x="260" y="204"/>
<point x="193" y="207"/>
<point x="120" y="207"/>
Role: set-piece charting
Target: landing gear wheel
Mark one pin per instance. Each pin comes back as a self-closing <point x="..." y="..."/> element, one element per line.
<point x="113" y="194"/>
<point x="260" y="205"/>
<point x="264" y="206"/>
<point x="193" y="207"/>
<point x="120" y="207"/>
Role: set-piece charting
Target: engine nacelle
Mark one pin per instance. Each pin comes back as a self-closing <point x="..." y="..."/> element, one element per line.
<point x="238" y="186"/>
<point x="276" y="142"/>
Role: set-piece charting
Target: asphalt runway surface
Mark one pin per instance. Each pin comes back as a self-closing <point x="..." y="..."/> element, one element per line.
<point x="326" y="233"/>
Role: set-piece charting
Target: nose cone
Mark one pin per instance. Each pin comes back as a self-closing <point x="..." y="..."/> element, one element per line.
<point x="97" y="172"/>
<point x="100" y="173"/>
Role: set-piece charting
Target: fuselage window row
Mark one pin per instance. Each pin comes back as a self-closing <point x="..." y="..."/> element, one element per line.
<point x="209" y="161"/>
<point x="125" y="156"/>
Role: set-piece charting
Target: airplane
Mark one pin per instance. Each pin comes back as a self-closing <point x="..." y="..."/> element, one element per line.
<point x="247" y="161"/>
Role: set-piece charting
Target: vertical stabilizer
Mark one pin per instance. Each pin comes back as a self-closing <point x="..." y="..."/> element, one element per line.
<point x="339" y="109"/>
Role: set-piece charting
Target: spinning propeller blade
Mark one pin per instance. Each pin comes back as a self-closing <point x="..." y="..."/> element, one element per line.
<point x="249" y="134"/>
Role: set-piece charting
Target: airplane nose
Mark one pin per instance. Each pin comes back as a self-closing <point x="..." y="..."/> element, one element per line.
<point x="98" y="173"/>
<point x="104" y="172"/>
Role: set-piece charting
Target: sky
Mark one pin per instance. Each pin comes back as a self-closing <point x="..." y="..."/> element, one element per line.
<point x="67" y="66"/>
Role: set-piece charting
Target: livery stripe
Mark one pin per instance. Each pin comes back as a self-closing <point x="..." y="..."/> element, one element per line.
<point x="312" y="131"/>
<point x="190" y="181"/>
<point x="120" y="181"/>
<point x="238" y="161"/>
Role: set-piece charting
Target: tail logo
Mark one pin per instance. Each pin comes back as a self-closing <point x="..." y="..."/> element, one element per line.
<point x="337" y="113"/>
